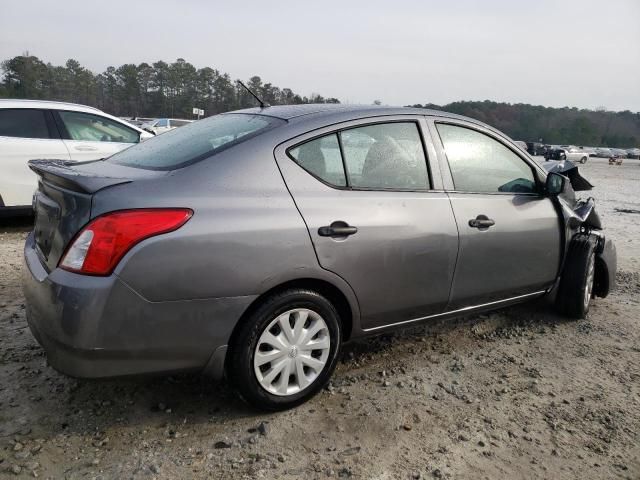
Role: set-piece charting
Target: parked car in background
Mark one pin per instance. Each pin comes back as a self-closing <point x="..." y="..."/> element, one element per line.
<point x="304" y="227"/>
<point x="603" y="152"/>
<point x="576" y="154"/>
<point x="535" y="148"/>
<point x="137" y="121"/>
<point x="554" y="152"/>
<point x="32" y="129"/>
<point x="619" y="152"/>
<point x="633" y="152"/>
<point x="162" y="125"/>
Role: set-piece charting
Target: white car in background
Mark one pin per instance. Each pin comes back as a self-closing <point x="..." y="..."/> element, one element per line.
<point x="161" y="125"/>
<point x="576" y="154"/>
<point x="31" y="129"/>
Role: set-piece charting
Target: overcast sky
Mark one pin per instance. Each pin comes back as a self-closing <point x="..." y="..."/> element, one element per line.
<point x="583" y="53"/>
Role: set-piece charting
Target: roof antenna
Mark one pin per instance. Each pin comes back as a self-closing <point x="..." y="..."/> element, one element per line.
<point x="262" y="103"/>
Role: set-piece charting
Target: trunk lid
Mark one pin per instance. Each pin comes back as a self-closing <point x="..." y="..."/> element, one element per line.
<point x="63" y="201"/>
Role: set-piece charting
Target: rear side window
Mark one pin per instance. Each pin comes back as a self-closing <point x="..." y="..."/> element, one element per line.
<point x="386" y="156"/>
<point x="23" y="123"/>
<point x="93" y="128"/>
<point x="185" y="145"/>
<point x="478" y="163"/>
<point x="321" y="157"/>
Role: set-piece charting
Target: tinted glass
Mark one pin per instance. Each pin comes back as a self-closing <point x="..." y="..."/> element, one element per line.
<point x="479" y="163"/>
<point x="163" y="122"/>
<point x="196" y="141"/>
<point x="23" y="123"/>
<point x="386" y="156"/>
<point x="179" y="123"/>
<point x="321" y="157"/>
<point x="93" y="128"/>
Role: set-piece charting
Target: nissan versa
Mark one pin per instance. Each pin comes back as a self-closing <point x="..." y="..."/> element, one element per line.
<point x="252" y="244"/>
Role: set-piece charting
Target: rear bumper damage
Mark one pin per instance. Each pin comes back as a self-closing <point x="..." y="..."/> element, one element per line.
<point x="94" y="327"/>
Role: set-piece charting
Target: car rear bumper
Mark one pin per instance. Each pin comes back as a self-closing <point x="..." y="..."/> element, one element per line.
<point x="99" y="327"/>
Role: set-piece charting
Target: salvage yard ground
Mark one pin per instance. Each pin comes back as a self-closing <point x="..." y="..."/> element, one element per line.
<point x="521" y="393"/>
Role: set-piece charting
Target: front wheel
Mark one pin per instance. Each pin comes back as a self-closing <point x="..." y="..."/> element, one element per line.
<point x="576" y="285"/>
<point x="286" y="350"/>
<point x="583" y="160"/>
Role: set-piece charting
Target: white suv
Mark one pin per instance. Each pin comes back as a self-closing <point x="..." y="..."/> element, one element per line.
<point x="54" y="130"/>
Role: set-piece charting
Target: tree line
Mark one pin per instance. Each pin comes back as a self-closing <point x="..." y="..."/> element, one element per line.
<point x="158" y="89"/>
<point x="556" y="126"/>
<point x="163" y="89"/>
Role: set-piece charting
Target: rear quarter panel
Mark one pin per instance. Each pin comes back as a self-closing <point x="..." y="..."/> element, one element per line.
<point x="245" y="237"/>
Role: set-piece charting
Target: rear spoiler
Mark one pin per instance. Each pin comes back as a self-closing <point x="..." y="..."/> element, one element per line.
<point x="70" y="176"/>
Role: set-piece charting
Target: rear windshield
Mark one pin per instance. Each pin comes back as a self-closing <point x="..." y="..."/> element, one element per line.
<point x="196" y="141"/>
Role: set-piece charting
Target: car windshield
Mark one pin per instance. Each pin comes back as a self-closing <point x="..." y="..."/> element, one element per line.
<point x="195" y="141"/>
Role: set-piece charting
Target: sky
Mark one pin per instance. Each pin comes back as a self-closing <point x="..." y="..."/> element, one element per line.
<point x="576" y="53"/>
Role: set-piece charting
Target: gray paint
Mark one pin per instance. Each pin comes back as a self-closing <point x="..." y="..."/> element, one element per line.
<point x="173" y="301"/>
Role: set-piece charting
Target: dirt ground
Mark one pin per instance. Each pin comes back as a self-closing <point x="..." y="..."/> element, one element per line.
<point x="519" y="393"/>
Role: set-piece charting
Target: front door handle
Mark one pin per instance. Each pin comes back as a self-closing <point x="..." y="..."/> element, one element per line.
<point x="481" y="221"/>
<point x="337" y="229"/>
<point x="85" y="148"/>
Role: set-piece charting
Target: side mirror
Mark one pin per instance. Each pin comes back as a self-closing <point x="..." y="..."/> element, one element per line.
<point x="555" y="183"/>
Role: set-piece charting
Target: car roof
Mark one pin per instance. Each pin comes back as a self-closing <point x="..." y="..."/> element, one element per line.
<point x="339" y="112"/>
<point x="47" y="105"/>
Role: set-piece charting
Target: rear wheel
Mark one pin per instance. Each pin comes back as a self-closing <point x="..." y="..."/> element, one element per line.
<point x="583" y="160"/>
<point x="286" y="351"/>
<point x="576" y="284"/>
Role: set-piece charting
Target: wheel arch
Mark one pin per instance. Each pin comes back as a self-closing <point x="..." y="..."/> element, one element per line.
<point x="346" y="311"/>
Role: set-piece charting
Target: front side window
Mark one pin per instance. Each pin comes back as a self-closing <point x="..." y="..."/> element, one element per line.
<point x="196" y="141"/>
<point x="93" y="128"/>
<point x="382" y="156"/>
<point x="163" y="122"/>
<point x="478" y="163"/>
<point x="23" y="123"/>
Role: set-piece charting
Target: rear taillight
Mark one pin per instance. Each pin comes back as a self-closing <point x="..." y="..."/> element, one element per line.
<point x="99" y="246"/>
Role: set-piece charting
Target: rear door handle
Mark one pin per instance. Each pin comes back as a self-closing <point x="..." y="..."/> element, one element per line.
<point x="337" y="229"/>
<point x="481" y="221"/>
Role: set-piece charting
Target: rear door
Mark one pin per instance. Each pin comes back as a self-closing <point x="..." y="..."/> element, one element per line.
<point x="374" y="215"/>
<point x="90" y="137"/>
<point x="25" y="134"/>
<point x="510" y="234"/>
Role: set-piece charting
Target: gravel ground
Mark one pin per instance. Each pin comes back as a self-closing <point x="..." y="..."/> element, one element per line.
<point x="519" y="393"/>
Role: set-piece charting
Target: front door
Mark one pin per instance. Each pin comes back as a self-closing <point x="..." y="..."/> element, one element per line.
<point x="365" y="195"/>
<point x="90" y="137"/>
<point x="509" y="232"/>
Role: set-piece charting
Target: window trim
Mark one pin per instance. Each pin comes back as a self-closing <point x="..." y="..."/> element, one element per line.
<point x="367" y="122"/>
<point x="483" y="131"/>
<point x="64" y="133"/>
<point x="53" y="132"/>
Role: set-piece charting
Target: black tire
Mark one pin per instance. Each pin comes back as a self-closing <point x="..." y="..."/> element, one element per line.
<point x="575" y="277"/>
<point x="583" y="160"/>
<point x="239" y="365"/>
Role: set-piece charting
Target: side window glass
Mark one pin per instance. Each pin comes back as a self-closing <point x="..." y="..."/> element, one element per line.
<point x="163" y="122"/>
<point x="321" y="157"/>
<point x="385" y="156"/>
<point x="479" y="163"/>
<point x="92" y="128"/>
<point x="23" y="123"/>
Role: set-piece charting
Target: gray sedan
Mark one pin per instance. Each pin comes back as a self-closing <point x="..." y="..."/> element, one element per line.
<point x="252" y="244"/>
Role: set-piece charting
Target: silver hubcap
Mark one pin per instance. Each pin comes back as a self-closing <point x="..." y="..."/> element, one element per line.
<point x="292" y="352"/>
<point x="589" y="285"/>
